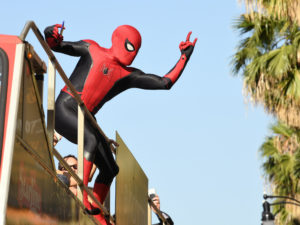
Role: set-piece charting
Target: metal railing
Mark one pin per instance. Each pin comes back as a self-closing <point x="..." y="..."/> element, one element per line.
<point x="54" y="66"/>
<point x="82" y="112"/>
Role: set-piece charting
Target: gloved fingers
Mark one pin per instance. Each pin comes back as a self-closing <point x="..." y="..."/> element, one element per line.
<point x="184" y="45"/>
<point x="60" y="38"/>
<point x="58" y="25"/>
<point x="188" y="36"/>
<point x="55" y="32"/>
<point x="195" y="41"/>
<point x="181" y="44"/>
<point x="57" y="36"/>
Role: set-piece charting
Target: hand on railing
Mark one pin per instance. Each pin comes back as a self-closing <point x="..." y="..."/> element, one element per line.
<point x="163" y="217"/>
<point x="53" y="37"/>
<point x="113" y="145"/>
<point x="156" y="202"/>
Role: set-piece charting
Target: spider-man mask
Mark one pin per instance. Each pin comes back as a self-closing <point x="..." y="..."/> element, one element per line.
<point x="126" y="41"/>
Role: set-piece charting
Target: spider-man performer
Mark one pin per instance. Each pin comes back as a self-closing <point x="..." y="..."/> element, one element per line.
<point x="99" y="75"/>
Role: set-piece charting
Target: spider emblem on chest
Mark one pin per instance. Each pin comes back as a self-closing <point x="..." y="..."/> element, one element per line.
<point x="106" y="71"/>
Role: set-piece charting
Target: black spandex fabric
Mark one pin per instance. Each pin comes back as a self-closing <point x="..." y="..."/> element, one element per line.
<point x="96" y="148"/>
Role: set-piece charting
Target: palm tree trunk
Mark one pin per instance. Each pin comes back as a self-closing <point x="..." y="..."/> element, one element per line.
<point x="294" y="210"/>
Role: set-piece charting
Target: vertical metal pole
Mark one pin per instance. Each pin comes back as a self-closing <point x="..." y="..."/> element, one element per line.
<point x="80" y="141"/>
<point x="149" y="215"/>
<point x="51" y="103"/>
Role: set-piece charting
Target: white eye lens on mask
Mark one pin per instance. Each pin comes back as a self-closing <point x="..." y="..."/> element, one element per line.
<point x="129" y="47"/>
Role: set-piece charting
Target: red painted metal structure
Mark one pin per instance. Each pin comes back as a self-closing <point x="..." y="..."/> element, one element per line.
<point x="8" y="50"/>
<point x="31" y="193"/>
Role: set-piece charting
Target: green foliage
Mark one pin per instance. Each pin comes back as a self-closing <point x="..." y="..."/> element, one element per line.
<point x="266" y="58"/>
<point x="281" y="152"/>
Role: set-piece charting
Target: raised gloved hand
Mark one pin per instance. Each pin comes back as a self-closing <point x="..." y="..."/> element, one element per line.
<point x="53" y="37"/>
<point x="187" y="47"/>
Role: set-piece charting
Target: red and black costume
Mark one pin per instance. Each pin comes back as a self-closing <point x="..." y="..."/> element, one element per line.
<point x="99" y="75"/>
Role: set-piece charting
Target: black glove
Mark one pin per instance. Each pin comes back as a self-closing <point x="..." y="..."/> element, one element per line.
<point x="53" y="37"/>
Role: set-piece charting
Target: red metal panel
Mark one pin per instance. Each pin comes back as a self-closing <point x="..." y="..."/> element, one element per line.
<point x="8" y="44"/>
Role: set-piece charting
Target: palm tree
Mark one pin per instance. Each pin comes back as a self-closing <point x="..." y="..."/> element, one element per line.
<point x="288" y="9"/>
<point x="267" y="60"/>
<point x="281" y="152"/>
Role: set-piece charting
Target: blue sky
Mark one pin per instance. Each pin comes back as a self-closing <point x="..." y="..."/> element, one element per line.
<point x="197" y="143"/>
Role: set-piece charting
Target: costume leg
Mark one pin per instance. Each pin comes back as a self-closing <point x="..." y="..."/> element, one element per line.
<point x="100" y="191"/>
<point x="105" y="177"/>
<point x="66" y="125"/>
<point x="108" y="170"/>
<point x="105" y="161"/>
<point x="66" y="117"/>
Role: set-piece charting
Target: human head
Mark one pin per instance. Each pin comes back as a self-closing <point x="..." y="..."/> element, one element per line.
<point x="71" y="161"/>
<point x="126" y="42"/>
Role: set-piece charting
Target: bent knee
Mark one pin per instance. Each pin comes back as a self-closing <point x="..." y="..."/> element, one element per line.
<point x="115" y="171"/>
